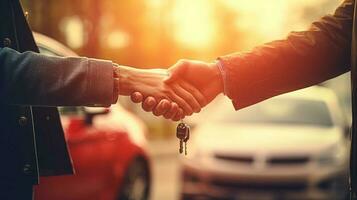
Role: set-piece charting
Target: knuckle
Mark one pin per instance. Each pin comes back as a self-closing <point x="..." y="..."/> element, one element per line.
<point x="174" y="109"/>
<point x="163" y="106"/>
<point x="175" y="106"/>
<point x="148" y="102"/>
<point x="146" y="108"/>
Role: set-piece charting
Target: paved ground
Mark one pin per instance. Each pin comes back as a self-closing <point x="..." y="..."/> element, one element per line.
<point x="165" y="164"/>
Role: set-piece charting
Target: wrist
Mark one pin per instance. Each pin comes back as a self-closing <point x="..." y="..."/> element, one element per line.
<point x="132" y="79"/>
<point x="123" y="76"/>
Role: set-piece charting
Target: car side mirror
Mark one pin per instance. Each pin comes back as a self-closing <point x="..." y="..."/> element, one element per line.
<point x="91" y="112"/>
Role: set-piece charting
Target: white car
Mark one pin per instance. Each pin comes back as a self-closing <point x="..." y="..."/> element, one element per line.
<point x="293" y="146"/>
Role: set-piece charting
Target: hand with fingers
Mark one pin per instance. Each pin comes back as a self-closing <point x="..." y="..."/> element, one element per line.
<point x="202" y="80"/>
<point x="173" y="100"/>
<point x="166" y="108"/>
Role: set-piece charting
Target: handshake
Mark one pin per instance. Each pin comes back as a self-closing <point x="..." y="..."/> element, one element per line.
<point x="183" y="89"/>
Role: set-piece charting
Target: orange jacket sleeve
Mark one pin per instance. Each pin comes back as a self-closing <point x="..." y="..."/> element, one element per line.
<point x="301" y="60"/>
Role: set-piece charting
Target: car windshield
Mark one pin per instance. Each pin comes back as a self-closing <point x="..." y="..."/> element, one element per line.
<point x="282" y="111"/>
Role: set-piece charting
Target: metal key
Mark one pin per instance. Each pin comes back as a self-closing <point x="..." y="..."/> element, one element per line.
<point x="182" y="133"/>
<point x="187" y="138"/>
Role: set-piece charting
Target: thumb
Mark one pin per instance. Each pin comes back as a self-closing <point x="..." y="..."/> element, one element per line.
<point x="176" y="71"/>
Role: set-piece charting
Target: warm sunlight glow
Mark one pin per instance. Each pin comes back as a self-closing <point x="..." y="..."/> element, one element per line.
<point x="194" y="23"/>
<point x="267" y="17"/>
<point x="198" y="24"/>
<point x="270" y="20"/>
<point x="118" y="39"/>
<point x="155" y="3"/>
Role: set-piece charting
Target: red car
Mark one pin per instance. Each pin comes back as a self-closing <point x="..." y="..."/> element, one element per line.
<point x="107" y="147"/>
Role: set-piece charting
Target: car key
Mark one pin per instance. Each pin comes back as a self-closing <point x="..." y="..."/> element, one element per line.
<point x="182" y="133"/>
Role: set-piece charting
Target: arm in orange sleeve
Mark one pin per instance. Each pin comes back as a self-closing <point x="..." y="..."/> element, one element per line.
<point x="303" y="59"/>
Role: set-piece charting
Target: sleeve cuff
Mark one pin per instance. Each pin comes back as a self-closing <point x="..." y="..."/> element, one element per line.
<point x="101" y="90"/>
<point x="241" y="80"/>
<point x="222" y="70"/>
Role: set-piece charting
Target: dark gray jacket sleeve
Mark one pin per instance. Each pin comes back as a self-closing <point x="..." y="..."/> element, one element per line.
<point x="32" y="79"/>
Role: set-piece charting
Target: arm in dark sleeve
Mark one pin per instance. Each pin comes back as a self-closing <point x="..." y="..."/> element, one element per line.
<point x="303" y="59"/>
<point x="32" y="79"/>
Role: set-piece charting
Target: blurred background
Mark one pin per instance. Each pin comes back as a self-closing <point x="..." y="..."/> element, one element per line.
<point x="155" y="34"/>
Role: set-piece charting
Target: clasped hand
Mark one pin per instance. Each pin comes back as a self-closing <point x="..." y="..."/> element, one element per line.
<point x="180" y="91"/>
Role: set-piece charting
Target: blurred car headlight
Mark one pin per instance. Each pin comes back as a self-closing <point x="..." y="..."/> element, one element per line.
<point x="334" y="155"/>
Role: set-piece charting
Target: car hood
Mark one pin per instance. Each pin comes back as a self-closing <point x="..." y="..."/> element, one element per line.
<point x="264" y="138"/>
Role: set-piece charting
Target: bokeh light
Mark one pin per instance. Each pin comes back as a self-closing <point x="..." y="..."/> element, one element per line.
<point x="194" y="23"/>
<point x="73" y="29"/>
